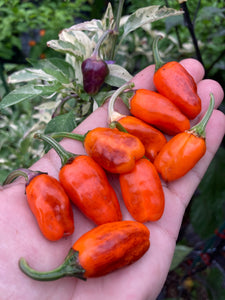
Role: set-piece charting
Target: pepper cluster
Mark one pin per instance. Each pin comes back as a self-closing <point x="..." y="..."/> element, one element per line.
<point x="136" y="148"/>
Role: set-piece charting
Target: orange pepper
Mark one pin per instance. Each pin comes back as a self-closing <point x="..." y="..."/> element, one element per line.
<point x="48" y="202"/>
<point x="102" y="250"/>
<point x="157" y="110"/>
<point x="174" y="82"/>
<point x="184" y="150"/>
<point x="152" y="139"/>
<point x="112" y="149"/>
<point x="86" y="183"/>
<point x="142" y="192"/>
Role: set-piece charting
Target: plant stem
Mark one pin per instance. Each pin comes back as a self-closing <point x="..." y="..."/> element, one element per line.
<point x="112" y="114"/>
<point x="70" y="267"/>
<point x="64" y="155"/>
<point x="190" y="26"/>
<point x="116" y="28"/>
<point x="199" y="129"/>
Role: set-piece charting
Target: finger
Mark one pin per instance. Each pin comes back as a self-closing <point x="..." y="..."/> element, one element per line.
<point x="194" y="67"/>
<point x="205" y="88"/>
<point x="184" y="187"/>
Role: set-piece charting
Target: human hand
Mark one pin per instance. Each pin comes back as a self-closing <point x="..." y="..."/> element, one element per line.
<point x="20" y="235"/>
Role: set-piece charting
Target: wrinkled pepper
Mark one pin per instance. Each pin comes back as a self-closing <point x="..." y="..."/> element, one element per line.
<point x="184" y="150"/>
<point x="102" y="250"/>
<point x="142" y="192"/>
<point x="86" y="184"/>
<point x="112" y="149"/>
<point x="152" y="139"/>
<point x="173" y="81"/>
<point x="157" y="110"/>
<point x="48" y="202"/>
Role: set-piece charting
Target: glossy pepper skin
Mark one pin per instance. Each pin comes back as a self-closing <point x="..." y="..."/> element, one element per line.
<point x="142" y="192"/>
<point x="94" y="72"/>
<point x="174" y="82"/>
<point x="114" y="150"/>
<point x="51" y="207"/>
<point x="184" y="150"/>
<point x="102" y="250"/>
<point x="179" y="156"/>
<point x="158" y="111"/>
<point x="87" y="186"/>
<point x="152" y="139"/>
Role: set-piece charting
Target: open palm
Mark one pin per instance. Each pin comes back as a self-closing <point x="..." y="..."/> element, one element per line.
<point x="20" y="235"/>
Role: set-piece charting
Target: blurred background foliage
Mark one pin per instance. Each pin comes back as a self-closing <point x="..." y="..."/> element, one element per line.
<point x="198" y="270"/>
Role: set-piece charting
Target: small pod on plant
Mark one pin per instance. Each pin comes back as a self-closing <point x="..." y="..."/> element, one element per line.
<point x="102" y="250"/>
<point x="152" y="139"/>
<point x="184" y="150"/>
<point x="174" y="82"/>
<point x="86" y="183"/>
<point x="114" y="150"/>
<point x="48" y="202"/>
<point x="94" y="69"/>
<point x="142" y="192"/>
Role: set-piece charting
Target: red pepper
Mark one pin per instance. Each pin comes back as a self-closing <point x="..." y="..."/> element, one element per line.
<point x="48" y="202"/>
<point x="157" y="110"/>
<point x="184" y="150"/>
<point x="142" y="192"/>
<point x="102" y="250"/>
<point x="174" y="82"/>
<point x="87" y="185"/>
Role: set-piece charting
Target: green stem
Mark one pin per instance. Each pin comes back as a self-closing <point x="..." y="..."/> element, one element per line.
<point x="112" y="114"/>
<point x="157" y="59"/>
<point x="199" y="129"/>
<point x="116" y="28"/>
<point x="117" y="125"/>
<point x="64" y="155"/>
<point x="70" y="267"/>
<point x="70" y="135"/>
<point x="26" y="173"/>
<point x="95" y="53"/>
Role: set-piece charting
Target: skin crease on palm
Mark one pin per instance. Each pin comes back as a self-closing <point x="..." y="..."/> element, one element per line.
<point x="20" y="235"/>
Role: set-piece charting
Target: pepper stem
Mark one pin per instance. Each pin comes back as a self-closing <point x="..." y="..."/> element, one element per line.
<point x="199" y="129"/>
<point x="117" y="125"/>
<point x="95" y="53"/>
<point x="157" y="59"/>
<point x="26" y="173"/>
<point x="69" y="267"/>
<point x="112" y="114"/>
<point x="64" y="155"/>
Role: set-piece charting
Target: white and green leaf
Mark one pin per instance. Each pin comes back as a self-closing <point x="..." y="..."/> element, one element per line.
<point x="117" y="75"/>
<point x="146" y="15"/>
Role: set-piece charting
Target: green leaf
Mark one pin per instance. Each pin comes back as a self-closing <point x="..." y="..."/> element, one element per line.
<point x="101" y="97"/>
<point x="147" y="15"/>
<point x="207" y="208"/>
<point x="117" y="75"/>
<point x="65" y="122"/>
<point x="29" y="74"/>
<point x="18" y="95"/>
<point x="58" y="68"/>
<point x="180" y="253"/>
<point x="49" y="90"/>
